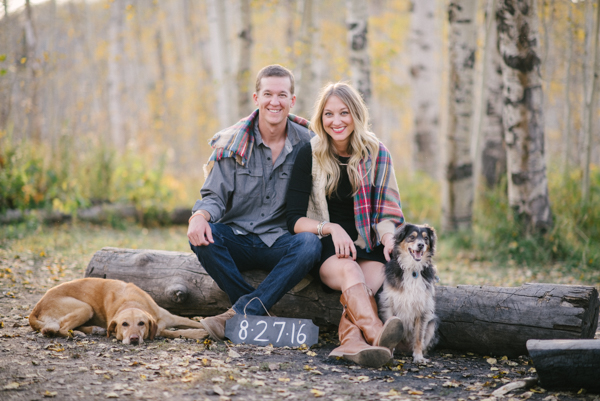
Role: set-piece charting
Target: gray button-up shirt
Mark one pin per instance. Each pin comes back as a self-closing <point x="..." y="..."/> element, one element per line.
<point x="251" y="199"/>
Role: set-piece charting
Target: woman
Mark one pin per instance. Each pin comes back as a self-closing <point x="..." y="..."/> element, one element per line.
<point x="343" y="188"/>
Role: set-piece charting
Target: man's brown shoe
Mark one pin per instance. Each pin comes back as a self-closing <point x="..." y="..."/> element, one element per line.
<point x="215" y="325"/>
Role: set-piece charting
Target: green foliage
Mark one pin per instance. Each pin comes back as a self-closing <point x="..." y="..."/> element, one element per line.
<point x="498" y="236"/>
<point x="420" y="198"/>
<point x="29" y="179"/>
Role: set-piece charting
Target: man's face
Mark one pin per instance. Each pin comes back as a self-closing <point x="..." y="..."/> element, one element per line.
<point x="274" y="101"/>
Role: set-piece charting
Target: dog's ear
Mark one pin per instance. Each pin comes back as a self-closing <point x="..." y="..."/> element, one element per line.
<point x="401" y="232"/>
<point x="111" y="327"/>
<point x="153" y="328"/>
<point x="432" y="238"/>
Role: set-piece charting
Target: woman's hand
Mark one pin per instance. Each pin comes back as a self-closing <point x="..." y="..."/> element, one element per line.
<point x="344" y="246"/>
<point x="388" y="245"/>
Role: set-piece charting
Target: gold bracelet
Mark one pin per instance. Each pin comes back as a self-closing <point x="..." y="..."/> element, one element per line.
<point x="199" y="212"/>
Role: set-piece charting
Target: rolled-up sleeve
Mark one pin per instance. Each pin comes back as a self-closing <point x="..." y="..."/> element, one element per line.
<point x="217" y="189"/>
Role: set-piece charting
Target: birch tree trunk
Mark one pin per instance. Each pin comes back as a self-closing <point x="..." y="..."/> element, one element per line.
<point x="221" y="65"/>
<point x="114" y="78"/>
<point x="360" y="65"/>
<point x="493" y="154"/>
<point x="32" y="61"/>
<point x="591" y="85"/>
<point x="424" y="48"/>
<point x="458" y="181"/>
<point x="244" y="38"/>
<point x="306" y="91"/>
<point x="523" y="114"/>
<point x="6" y="80"/>
<point x="567" y="127"/>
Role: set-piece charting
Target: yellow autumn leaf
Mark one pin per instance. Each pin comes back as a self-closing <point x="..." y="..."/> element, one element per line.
<point x="317" y="393"/>
<point x="284" y="379"/>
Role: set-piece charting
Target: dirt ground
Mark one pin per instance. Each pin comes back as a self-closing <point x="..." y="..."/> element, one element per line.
<point x="33" y="367"/>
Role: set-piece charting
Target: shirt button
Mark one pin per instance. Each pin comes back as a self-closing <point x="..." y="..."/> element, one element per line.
<point x="262" y="215"/>
<point x="268" y="197"/>
<point x="268" y="158"/>
<point x="251" y="223"/>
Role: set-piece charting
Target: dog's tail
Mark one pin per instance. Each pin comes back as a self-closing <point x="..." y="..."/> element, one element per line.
<point x="48" y="327"/>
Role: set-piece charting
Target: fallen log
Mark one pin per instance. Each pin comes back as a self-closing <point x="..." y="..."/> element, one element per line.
<point x="481" y="319"/>
<point x="567" y="364"/>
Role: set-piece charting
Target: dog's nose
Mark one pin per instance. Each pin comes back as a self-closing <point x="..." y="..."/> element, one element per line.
<point x="134" y="338"/>
<point x="420" y="246"/>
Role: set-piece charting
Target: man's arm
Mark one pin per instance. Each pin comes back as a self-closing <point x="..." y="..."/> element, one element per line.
<point x="217" y="189"/>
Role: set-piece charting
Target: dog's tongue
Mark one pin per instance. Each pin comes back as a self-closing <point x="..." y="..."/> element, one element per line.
<point x="418" y="255"/>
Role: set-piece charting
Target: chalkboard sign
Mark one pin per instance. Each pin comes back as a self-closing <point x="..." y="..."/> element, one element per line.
<point x="265" y="330"/>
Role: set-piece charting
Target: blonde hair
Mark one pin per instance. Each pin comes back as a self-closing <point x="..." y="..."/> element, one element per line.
<point x="362" y="143"/>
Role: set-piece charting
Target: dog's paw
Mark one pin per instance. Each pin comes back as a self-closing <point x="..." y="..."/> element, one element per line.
<point x="98" y="331"/>
<point x="78" y="334"/>
<point x="418" y="358"/>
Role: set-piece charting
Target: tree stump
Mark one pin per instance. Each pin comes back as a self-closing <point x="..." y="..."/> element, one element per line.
<point x="567" y="364"/>
<point x="482" y="319"/>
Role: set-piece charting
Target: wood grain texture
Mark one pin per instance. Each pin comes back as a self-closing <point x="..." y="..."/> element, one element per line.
<point x="482" y="319"/>
<point x="567" y="364"/>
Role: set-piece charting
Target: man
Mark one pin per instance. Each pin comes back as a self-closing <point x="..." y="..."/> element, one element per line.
<point x="240" y="222"/>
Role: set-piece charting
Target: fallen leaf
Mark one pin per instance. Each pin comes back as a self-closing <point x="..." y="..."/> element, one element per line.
<point x="451" y="383"/>
<point x="11" y="386"/>
<point x="233" y="354"/>
<point x="311" y="353"/>
<point x="111" y="395"/>
<point x="415" y="392"/>
<point x="491" y="361"/>
<point x="218" y="390"/>
<point x="317" y="393"/>
<point x="218" y="380"/>
<point x="258" y="383"/>
<point x="284" y="379"/>
<point x="50" y="394"/>
<point x="242" y="381"/>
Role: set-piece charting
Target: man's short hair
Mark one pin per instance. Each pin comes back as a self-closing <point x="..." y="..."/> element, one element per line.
<point x="274" y="70"/>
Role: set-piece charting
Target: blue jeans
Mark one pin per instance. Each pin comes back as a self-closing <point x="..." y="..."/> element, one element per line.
<point x="288" y="260"/>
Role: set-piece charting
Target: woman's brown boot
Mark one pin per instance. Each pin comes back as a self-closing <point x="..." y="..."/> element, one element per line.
<point x="354" y="348"/>
<point x="361" y="308"/>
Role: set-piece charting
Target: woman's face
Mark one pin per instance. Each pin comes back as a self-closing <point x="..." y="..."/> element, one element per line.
<point x="338" y="122"/>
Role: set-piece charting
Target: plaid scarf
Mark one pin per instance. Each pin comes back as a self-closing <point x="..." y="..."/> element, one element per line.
<point x="237" y="141"/>
<point x="377" y="203"/>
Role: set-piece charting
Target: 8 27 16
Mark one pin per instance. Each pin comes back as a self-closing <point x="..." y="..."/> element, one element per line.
<point x="265" y="330"/>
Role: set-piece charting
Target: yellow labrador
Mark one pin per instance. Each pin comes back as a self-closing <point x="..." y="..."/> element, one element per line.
<point x="119" y="307"/>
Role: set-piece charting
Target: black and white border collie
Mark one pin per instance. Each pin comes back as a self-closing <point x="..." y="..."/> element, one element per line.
<point x="409" y="287"/>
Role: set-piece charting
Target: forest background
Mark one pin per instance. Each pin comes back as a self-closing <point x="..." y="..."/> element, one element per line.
<point x="113" y="102"/>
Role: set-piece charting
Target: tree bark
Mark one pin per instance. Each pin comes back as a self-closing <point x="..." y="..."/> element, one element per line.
<point x="591" y="85"/>
<point x="114" y="77"/>
<point x="34" y="68"/>
<point x="493" y="154"/>
<point x="523" y="115"/>
<point x="424" y="50"/>
<point x="567" y="364"/>
<point x="567" y="137"/>
<point x="305" y="78"/>
<point x="360" y="64"/>
<point x="221" y="65"/>
<point x="458" y="180"/>
<point x="244" y="38"/>
<point x="487" y="320"/>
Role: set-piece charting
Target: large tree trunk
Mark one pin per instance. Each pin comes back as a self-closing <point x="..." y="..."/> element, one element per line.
<point x="591" y="85"/>
<point x="567" y="136"/>
<point x="523" y="114"/>
<point x="424" y="50"/>
<point x="34" y="68"/>
<point x="493" y="154"/>
<point x="114" y="77"/>
<point x="305" y="77"/>
<point x="244" y="38"/>
<point x="360" y="64"/>
<point x="221" y="63"/>
<point x="458" y="180"/>
<point x="488" y="320"/>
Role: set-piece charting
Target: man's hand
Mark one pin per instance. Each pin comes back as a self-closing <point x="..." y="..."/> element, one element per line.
<point x="199" y="232"/>
<point x="388" y="245"/>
